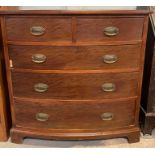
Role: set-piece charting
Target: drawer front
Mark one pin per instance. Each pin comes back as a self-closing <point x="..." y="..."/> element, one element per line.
<point x="109" y="29"/>
<point x="39" y="29"/>
<point x="74" y="115"/>
<point x="88" y="57"/>
<point x="75" y="86"/>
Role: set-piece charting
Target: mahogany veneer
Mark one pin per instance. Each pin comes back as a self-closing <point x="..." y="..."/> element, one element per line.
<point x="4" y="108"/>
<point x="91" y="28"/>
<point x="70" y="57"/>
<point x="72" y="112"/>
<point x="4" y="101"/>
<point x="78" y="86"/>
<point x="74" y="75"/>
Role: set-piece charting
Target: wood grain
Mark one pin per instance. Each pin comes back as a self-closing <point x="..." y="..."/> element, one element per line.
<point x="56" y="29"/>
<point x="7" y="65"/>
<point x="91" y="29"/>
<point x="74" y="58"/>
<point x="67" y="115"/>
<point x="75" y="73"/>
<point x="133" y="13"/>
<point x="75" y="44"/>
<point x="4" y="104"/>
<point x="74" y="86"/>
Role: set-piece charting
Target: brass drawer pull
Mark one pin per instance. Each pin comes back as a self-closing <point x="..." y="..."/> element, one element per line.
<point x="109" y="87"/>
<point x="38" y="58"/>
<point x="37" y="30"/>
<point x="110" y="58"/>
<point x="42" y="117"/>
<point x="111" y="31"/>
<point x="40" y="87"/>
<point x="107" y="116"/>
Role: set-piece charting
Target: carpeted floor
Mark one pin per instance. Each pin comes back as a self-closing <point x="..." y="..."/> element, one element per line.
<point x="145" y="142"/>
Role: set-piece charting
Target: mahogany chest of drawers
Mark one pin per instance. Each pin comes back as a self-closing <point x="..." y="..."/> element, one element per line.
<point x="74" y="74"/>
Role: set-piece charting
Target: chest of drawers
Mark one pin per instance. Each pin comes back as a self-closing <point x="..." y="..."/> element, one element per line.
<point x="74" y="74"/>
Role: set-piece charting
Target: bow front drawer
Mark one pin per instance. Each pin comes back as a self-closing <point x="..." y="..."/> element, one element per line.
<point x="39" y="29"/>
<point x="82" y="57"/>
<point x="75" y="85"/>
<point x="81" y="115"/>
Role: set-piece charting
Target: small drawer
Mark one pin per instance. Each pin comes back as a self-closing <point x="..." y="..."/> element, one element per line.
<point x="75" y="85"/>
<point x="97" y="115"/>
<point x="55" y="29"/>
<point x="109" y="29"/>
<point x="82" y="57"/>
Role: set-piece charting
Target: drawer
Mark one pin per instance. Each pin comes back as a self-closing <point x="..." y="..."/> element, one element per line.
<point x="47" y="28"/>
<point x="74" y="115"/>
<point x="82" y="57"/>
<point x="75" y="85"/>
<point x="109" y="29"/>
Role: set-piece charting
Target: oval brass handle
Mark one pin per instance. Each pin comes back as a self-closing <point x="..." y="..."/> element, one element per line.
<point x="107" y="116"/>
<point x="40" y="87"/>
<point x="42" y="117"/>
<point x="111" y="31"/>
<point x="108" y="87"/>
<point x="37" y="30"/>
<point x="38" y="58"/>
<point x="110" y="58"/>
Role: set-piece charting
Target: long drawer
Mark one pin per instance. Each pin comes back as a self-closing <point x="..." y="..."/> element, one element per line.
<point x="82" y="57"/>
<point x="75" y="85"/>
<point x="74" y="115"/>
<point x="86" y="28"/>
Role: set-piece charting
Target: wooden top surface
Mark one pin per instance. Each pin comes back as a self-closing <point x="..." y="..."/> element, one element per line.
<point x="74" y="11"/>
